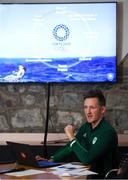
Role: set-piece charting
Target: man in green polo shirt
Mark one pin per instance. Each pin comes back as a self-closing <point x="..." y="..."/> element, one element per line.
<point x="96" y="142"/>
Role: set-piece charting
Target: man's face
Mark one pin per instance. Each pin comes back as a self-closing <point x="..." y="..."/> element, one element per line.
<point x="93" y="110"/>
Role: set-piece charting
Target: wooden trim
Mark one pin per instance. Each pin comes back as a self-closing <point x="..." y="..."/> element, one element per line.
<point x="123" y="140"/>
<point x="52" y="138"/>
<point x="31" y="138"/>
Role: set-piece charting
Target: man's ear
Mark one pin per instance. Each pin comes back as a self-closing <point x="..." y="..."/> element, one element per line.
<point x="104" y="109"/>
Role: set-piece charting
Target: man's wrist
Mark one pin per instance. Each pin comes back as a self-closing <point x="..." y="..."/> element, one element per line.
<point x="71" y="139"/>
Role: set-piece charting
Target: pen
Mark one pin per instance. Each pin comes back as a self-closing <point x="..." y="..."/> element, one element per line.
<point x="12" y="170"/>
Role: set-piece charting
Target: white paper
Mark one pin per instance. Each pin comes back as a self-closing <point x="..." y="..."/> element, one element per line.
<point x="71" y="170"/>
<point x="68" y="166"/>
<point x="25" y="172"/>
<point x="80" y="172"/>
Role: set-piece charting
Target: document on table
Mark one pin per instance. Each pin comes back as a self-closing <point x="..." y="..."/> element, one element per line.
<point x="25" y="172"/>
<point x="71" y="170"/>
<point x="69" y="166"/>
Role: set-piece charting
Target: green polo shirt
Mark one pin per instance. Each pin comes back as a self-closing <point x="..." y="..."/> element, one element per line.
<point x="96" y="147"/>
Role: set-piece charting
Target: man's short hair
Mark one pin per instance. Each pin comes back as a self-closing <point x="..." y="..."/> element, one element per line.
<point x="96" y="93"/>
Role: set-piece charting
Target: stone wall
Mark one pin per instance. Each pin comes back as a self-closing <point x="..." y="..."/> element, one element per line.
<point x="23" y="107"/>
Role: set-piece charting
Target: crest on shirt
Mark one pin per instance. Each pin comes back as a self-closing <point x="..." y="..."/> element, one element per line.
<point x="94" y="140"/>
<point x="84" y="135"/>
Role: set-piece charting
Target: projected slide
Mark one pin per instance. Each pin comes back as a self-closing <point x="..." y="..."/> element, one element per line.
<point x="58" y="42"/>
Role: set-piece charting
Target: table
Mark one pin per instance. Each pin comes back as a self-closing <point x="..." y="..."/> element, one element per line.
<point x="47" y="175"/>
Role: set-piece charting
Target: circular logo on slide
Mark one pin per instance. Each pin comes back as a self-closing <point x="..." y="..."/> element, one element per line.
<point x="61" y="32"/>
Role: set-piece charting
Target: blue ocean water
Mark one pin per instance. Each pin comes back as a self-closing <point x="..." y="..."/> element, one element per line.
<point x="98" y="69"/>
